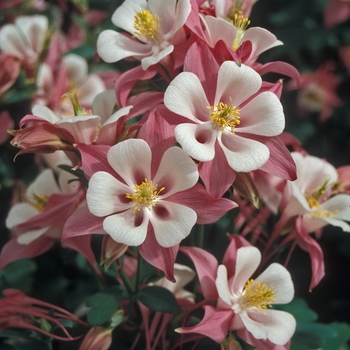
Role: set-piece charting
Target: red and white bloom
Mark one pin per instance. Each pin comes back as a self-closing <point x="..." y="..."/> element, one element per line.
<point x="138" y="195"/>
<point x="311" y="195"/>
<point x="231" y="118"/>
<point x="250" y="299"/>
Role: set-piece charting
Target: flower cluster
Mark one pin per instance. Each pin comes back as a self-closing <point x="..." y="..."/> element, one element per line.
<point x="167" y="130"/>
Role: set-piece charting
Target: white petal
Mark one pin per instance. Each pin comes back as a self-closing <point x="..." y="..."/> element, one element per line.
<point x="242" y="154"/>
<point x="197" y="140"/>
<point x="340" y="205"/>
<point x="77" y="67"/>
<point x="156" y="57"/>
<point x="45" y="113"/>
<point x="113" y="47"/>
<point x="92" y="86"/>
<point x="263" y="115"/>
<point x="312" y="172"/>
<point x="31" y="236"/>
<point x="221" y="283"/>
<point x="19" y="214"/>
<point x="104" y="104"/>
<point x="124" y="15"/>
<point x="219" y="29"/>
<point x="131" y="159"/>
<point x="183" y="9"/>
<point x="278" y="279"/>
<point x="44" y="185"/>
<point x="185" y="96"/>
<point x="176" y="172"/>
<point x="247" y="261"/>
<point x="236" y="84"/>
<point x="106" y="195"/>
<point x="172" y="222"/>
<point x="127" y="228"/>
<point x="274" y="325"/>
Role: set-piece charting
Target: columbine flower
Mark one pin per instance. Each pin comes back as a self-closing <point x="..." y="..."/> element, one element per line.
<point x="311" y="195"/>
<point x="243" y="304"/>
<point x="155" y="27"/>
<point x="251" y="299"/>
<point x="231" y="119"/>
<point x="138" y="195"/>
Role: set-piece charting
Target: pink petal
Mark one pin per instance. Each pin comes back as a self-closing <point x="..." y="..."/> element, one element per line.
<point x="172" y="223"/>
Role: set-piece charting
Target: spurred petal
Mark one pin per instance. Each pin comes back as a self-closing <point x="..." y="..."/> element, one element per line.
<point x="236" y="84"/>
<point x="248" y="260"/>
<point x="127" y="228"/>
<point x="172" y="223"/>
<point x="106" y="195"/>
<point x="198" y="140"/>
<point x="278" y="279"/>
<point x="263" y="115"/>
<point x="176" y="172"/>
<point x="274" y="325"/>
<point x="242" y="154"/>
<point x="131" y="159"/>
<point x="185" y="96"/>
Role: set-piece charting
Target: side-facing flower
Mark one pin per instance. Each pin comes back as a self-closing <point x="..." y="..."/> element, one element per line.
<point x="245" y="304"/>
<point x="231" y="118"/>
<point x="137" y="195"/>
<point x="155" y="27"/>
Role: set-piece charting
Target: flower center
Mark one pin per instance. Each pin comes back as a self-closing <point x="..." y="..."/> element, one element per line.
<point x="224" y="116"/>
<point x="40" y="202"/>
<point x="241" y="23"/>
<point x="145" y="195"/>
<point x="315" y="199"/>
<point x="147" y="26"/>
<point x="257" y="295"/>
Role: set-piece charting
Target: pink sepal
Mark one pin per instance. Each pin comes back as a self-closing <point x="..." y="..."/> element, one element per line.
<point x="307" y="243"/>
<point x="215" y="324"/>
<point x="13" y="251"/>
<point x="158" y="256"/>
<point x="206" y="266"/>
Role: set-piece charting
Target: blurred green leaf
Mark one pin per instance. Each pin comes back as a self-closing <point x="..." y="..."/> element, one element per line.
<point x="340" y="338"/>
<point x="158" y="299"/>
<point x="103" y="306"/>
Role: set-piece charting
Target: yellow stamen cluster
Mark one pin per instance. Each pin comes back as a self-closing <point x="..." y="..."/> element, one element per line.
<point x="40" y="202"/>
<point x="145" y="195"/>
<point x="147" y="26"/>
<point x="257" y="295"/>
<point x="313" y="200"/>
<point x="224" y="116"/>
<point x="241" y="23"/>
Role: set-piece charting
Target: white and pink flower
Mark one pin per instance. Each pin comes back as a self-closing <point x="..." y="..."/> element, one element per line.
<point x="232" y="118"/>
<point x="154" y="27"/>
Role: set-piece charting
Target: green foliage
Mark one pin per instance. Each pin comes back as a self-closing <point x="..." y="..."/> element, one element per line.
<point x="18" y="275"/>
<point x="158" y="299"/>
<point x="103" y="306"/>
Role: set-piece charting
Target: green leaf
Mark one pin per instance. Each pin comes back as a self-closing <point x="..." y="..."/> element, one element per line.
<point x="340" y="338"/>
<point x="103" y="306"/>
<point x="18" y="275"/>
<point x="158" y="299"/>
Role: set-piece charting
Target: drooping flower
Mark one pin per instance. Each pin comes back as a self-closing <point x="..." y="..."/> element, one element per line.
<point x="230" y="119"/>
<point x="155" y="28"/>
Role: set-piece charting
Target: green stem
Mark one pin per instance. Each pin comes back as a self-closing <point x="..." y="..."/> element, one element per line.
<point x="126" y="282"/>
<point x="138" y="272"/>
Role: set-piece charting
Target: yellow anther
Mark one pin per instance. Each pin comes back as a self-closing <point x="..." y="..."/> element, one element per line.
<point x="224" y="116"/>
<point x="147" y="26"/>
<point x="257" y="295"/>
<point x="40" y="202"/>
<point x="145" y="195"/>
<point x="241" y="23"/>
